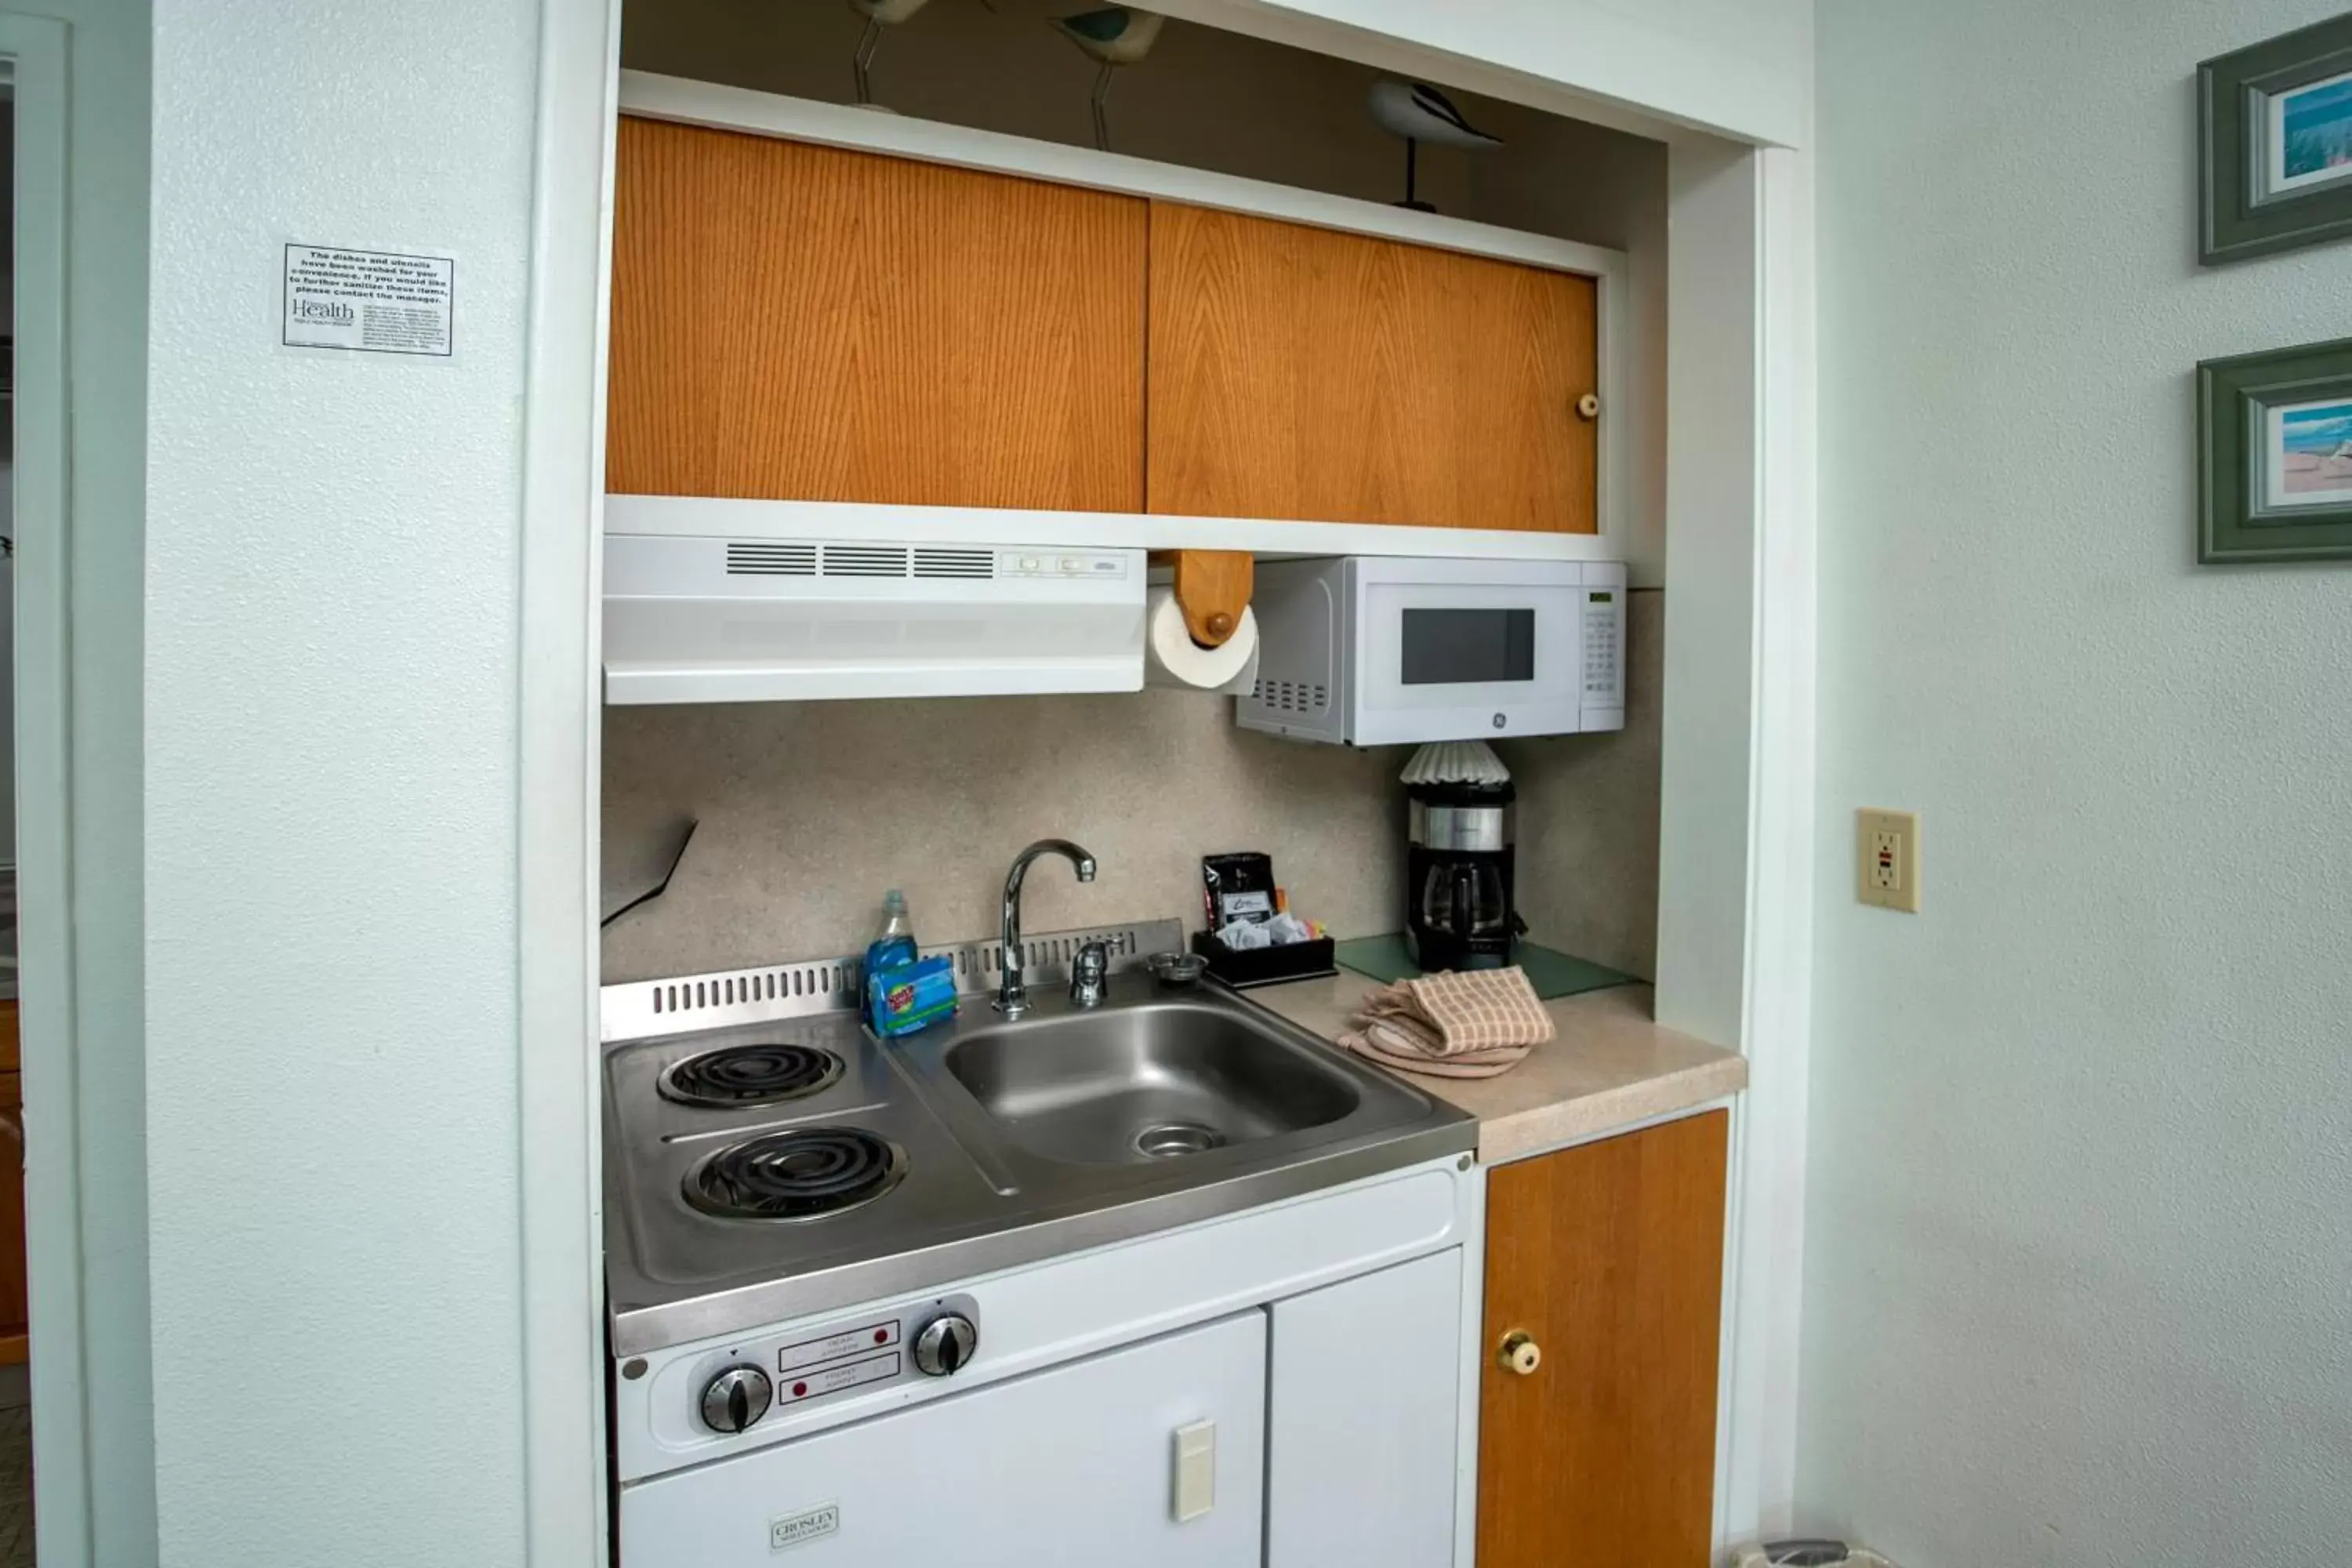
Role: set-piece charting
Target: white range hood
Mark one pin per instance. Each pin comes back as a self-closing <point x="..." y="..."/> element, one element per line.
<point x="714" y="619"/>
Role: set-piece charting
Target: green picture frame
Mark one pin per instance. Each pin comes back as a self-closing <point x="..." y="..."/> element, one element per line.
<point x="2274" y="449"/>
<point x="2273" y="121"/>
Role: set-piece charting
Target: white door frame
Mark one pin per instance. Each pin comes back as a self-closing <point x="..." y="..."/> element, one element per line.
<point x="35" y="47"/>
<point x="1735" y="936"/>
<point x="558" y="801"/>
<point x="1735" y="931"/>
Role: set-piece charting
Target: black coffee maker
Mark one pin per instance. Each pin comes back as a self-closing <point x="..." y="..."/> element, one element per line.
<point x="1458" y="890"/>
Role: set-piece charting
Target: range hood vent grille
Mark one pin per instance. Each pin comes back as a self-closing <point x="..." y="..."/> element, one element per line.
<point x="965" y="563"/>
<point x="865" y="561"/>
<point x="767" y="558"/>
<point x="772" y="558"/>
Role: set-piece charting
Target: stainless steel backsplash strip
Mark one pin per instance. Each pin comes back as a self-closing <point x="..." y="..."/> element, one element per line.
<point x="640" y="1009"/>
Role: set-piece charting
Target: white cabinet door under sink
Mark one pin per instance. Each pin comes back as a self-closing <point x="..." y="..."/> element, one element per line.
<point x="1076" y="1464"/>
<point x="1365" y="1420"/>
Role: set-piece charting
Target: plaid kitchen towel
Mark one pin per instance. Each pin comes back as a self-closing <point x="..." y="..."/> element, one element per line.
<point x="1471" y="1024"/>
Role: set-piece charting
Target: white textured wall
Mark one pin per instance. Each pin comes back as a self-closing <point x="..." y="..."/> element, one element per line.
<point x="330" y="794"/>
<point x="2080" y="1228"/>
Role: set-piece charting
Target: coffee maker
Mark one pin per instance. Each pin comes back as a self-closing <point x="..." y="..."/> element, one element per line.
<point x="1459" y="912"/>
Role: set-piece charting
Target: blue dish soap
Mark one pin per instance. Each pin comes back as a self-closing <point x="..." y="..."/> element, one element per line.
<point x="893" y="945"/>
<point x="895" y="942"/>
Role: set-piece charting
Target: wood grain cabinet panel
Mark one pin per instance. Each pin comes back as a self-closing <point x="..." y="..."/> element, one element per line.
<point x="1610" y="1256"/>
<point x="1302" y="372"/>
<point x="797" y="322"/>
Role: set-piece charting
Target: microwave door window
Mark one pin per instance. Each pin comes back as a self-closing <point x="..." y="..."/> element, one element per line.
<point x="1440" y="660"/>
<point x="1454" y="646"/>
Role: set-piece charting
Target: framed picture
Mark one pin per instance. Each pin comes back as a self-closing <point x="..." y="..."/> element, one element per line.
<point x="2275" y="443"/>
<point x="2276" y="145"/>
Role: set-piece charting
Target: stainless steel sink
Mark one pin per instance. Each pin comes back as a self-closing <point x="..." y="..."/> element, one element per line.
<point x="1150" y="1080"/>
<point x="1159" y="1090"/>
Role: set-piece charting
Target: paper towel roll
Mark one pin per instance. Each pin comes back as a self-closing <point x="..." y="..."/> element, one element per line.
<point x="1170" y="657"/>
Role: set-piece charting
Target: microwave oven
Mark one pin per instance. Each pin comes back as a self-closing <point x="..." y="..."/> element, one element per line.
<point x="1371" y="650"/>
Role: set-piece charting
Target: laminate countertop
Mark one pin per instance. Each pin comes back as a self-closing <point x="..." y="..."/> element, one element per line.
<point x="1610" y="1066"/>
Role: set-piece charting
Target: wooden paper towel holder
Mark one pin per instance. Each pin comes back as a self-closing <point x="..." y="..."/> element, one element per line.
<point x="1212" y="588"/>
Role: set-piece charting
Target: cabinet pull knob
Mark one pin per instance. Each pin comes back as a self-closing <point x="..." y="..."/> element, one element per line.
<point x="1588" y="405"/>
<point x="1518" y="1352"/>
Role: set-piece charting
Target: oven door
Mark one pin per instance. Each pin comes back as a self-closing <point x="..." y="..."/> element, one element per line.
<point x="1149" y="1457"/>
<point x="1463" y="651"/>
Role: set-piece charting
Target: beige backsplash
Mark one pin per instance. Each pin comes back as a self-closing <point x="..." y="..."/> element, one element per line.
<point x="1587" y="851"/>
<point x="808" y="811"/>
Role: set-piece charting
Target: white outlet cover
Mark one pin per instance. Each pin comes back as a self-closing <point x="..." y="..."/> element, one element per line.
<point x="1886" y="860"/>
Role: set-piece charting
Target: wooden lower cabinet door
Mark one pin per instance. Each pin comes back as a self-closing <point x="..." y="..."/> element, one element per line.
<point x="1609" y="1256"/>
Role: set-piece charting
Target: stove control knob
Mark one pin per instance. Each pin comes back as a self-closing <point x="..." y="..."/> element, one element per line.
<point x="945" y="1344"/>
<point x="736" y="1398"/>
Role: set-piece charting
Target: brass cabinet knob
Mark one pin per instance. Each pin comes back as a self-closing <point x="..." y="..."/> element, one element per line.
<point x="1588" y="405"/>
<point x="1518" y="1352"/>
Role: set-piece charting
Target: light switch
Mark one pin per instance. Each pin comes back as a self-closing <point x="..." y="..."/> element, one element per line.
<point x="1195" y="1485"/>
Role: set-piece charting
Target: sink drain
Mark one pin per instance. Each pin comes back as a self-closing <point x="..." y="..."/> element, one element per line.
<point x="1170" y="1139"/>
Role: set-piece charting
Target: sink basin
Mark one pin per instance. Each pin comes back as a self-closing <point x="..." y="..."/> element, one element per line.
<point x="1137" y="1084"/>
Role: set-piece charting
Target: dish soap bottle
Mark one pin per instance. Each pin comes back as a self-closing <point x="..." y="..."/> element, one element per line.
<point x="904" y="991"/>
<point x="895" y="942"/>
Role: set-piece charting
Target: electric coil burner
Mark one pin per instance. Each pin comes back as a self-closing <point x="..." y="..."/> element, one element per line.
<point x="806" y="1173"/>
<point x="737" y="1076"/>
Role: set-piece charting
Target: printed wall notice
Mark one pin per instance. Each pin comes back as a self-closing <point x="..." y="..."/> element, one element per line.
<point x="377" y="301"/>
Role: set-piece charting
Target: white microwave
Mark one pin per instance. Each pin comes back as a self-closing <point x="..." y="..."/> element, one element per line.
<point x="1372" y="650"/>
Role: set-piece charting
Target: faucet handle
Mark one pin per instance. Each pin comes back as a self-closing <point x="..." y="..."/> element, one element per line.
<point x="1089" y="972"/>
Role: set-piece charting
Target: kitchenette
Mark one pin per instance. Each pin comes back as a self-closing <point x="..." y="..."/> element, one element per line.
<point x="1131" y="815"/>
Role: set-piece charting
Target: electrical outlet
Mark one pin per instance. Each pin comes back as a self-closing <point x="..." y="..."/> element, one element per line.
<point x="1886" y="856"/>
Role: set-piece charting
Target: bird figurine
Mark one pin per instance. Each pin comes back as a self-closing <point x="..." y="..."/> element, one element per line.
<point x="1418" y="113"/>
<point x="878" y="14"/>
<point x="1115" y="36"/>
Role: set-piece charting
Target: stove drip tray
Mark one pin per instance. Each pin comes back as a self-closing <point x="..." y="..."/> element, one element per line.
<point x="806" y="1173"/>
<point x="735" y="1076"/>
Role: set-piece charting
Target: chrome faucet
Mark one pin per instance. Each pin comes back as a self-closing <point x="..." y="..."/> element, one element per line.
<point x="1011" y="995"/>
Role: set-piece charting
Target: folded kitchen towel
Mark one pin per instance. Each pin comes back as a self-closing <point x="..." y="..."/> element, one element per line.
<point x="1470" y="1025"/>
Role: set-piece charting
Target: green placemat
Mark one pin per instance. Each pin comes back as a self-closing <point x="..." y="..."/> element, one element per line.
<point x="1552" y="973"/>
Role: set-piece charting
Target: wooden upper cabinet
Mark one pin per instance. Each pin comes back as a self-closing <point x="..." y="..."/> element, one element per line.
<point x="797" y="322"/>
<point x="1609" y="1256"/>
<point x="1300" y="373"/>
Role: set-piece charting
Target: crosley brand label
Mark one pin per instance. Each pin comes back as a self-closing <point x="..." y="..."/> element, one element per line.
<point x="799" y="1529"/>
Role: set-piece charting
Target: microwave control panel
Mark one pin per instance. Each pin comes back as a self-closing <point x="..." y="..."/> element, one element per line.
<point x="1604" y="648"/>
